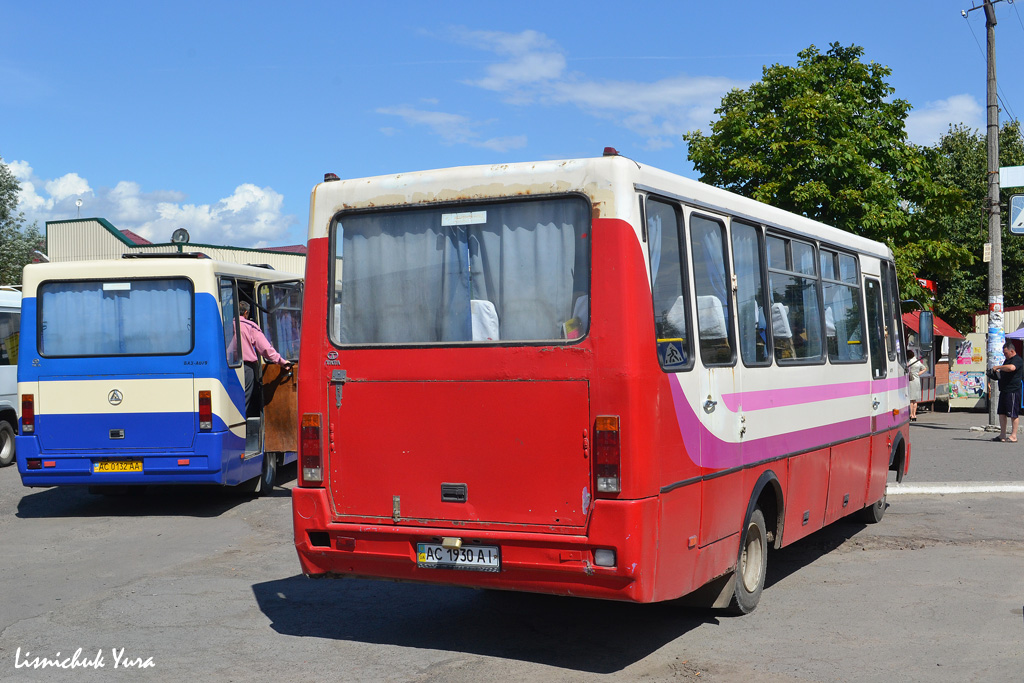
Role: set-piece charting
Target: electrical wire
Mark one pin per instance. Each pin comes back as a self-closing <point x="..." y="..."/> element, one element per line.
<point x="984" y="57"/>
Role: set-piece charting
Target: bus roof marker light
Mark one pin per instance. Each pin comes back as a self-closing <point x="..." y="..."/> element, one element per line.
<point x="331" y="177"/>
<point x="611" y="152"/>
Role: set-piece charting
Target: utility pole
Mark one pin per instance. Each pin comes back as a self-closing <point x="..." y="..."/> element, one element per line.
<point x="996" y="335"/>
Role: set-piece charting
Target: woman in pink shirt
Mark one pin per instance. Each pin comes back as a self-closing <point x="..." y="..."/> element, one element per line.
<point x="254" y="345"/>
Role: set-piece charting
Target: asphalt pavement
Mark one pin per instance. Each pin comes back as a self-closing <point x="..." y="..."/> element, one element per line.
<point x="955" y="448"/>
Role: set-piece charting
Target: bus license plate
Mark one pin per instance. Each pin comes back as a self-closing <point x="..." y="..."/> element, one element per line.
<point x="117" y="466"/>
<point x="480" y="558"/>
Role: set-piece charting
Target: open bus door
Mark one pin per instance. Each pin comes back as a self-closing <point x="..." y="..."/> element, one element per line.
<point x="280" y="316"/>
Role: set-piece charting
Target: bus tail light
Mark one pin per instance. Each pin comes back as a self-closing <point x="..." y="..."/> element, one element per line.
<point x="311" y="468"/>
<point x="205" y="411"/>
<point x="28" y="414"/>
<point x="607" y="453"/>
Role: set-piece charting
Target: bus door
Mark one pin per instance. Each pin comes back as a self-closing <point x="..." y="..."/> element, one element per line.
<point x="280" y="316"/>
<point x="717" y="403"/>
<point x="879" y="396"/>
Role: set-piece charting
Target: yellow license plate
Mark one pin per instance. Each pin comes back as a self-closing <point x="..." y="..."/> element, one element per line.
<point x="117" y="466"/>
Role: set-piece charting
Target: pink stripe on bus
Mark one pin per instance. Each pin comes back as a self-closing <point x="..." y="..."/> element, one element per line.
<point x="778" y="398"/>
<point x="707" y="450"/>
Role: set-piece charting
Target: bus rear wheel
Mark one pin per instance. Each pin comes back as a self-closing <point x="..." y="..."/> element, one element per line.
<point x="752" y="565"/>
<point x="873" y="513"/>
<point x="6" y="443"/>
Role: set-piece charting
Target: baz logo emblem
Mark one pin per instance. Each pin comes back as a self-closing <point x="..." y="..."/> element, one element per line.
<point x="115" y="397"/>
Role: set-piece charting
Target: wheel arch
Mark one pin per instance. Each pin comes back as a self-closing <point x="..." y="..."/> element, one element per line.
<point x="767" y="495"/>
<point x="8" y="414"/>
<point x="898" y="456"/>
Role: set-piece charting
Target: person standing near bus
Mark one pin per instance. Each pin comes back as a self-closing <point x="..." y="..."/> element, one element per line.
<point x="1009" y="375"/>
<point x="254" y="345"/>
<point x="915" y="368"/>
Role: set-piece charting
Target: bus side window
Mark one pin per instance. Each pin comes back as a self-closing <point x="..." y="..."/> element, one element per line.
<point x="668" y="270"/>
<point x="843" y="317"/>
<point x="793" y="283"/>
<point x="711" y="284"/>
<point x="229" y="317"/>
<point x="747" y="251"/>
<point x="876" y="327"/>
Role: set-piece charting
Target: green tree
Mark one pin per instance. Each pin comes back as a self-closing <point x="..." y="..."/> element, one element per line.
<point x="827" y="140"/>
<point x="17" y="242"/>
<point x="960" y="162"/>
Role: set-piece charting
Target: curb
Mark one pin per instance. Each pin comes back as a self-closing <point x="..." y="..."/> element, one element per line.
<point x="956" y="487"/>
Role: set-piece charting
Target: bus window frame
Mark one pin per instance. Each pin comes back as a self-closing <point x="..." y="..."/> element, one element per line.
<point x="762" y="247"/>
<point x="192" y="317"/>
<point x="265" y="313"/>
<point x="684" y="274"/>
<point x="788" y="237"/>
<point x="730" y="324"/>
<point x="859" y="287"/>
<point x="233" y="280"/>
<point x="878" y="334"/>
<point x="332" y="246"/>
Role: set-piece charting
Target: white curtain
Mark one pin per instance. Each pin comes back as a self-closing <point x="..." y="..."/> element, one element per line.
<point x="133" y="317"/>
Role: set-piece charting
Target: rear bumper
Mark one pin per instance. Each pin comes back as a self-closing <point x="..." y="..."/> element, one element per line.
<point x="560" y="564"/>
<point x="211" y="461"/>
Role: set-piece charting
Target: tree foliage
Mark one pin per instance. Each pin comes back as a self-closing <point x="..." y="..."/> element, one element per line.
<point x="826" y="139"/>
<point x="960" y="163"/>
<point x="17" y="241"/>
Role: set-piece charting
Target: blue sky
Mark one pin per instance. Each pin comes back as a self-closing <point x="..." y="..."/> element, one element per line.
<point x="221" y="117"/>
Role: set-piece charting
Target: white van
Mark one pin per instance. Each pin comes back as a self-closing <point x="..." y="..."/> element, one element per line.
<point x="10" y="319"/>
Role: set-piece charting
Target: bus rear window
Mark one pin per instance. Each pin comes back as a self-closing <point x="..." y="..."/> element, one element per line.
<point x="115" y="318"/>
<point x="485" y="273"/>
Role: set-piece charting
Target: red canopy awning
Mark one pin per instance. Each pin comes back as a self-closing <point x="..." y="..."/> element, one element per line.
<point x="940" y="327"/>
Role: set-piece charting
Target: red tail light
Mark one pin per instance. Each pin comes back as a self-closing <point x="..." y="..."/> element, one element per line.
<point x="607" y="453"/>
<point x="205" y="412"/>
<point x="28" y="414"/>
<point x="311" y="471"/>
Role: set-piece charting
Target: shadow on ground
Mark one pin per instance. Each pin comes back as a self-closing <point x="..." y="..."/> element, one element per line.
<point x="593" y="636"/>
<point x="141" y="501"/>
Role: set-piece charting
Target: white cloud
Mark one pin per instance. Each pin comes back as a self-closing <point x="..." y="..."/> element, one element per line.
<point x="926" y="125"/>
<point x="453" y="128"/>
<point x="68" y="185"/>
<point x="533" y="70"/>
<point x="250" y="217"/>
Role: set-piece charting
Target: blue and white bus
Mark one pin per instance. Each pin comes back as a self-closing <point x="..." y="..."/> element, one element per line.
<point x="131" y="373"/>
<point x="10" y="312"/>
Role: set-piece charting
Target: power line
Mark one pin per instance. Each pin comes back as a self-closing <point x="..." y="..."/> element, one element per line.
<point x="999" y="91"/>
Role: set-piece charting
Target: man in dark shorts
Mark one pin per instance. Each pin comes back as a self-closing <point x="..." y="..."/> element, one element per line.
<point x="1009" y="375"/>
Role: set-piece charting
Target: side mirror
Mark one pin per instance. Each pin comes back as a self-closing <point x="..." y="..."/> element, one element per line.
<point x="926" y="332"/>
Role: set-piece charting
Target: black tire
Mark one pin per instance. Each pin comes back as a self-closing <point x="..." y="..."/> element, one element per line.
<point x="748" y="580"/>
<point x="873" y="513"/>
<point x="6" y="443"/>
<point x="269" y="475"/>
<point x="263" y="484"/>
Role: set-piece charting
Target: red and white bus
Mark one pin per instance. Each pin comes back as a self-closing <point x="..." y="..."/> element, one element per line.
<point x="586" y="377"/>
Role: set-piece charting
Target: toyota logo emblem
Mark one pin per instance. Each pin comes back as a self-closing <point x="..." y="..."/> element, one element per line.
<point x="115" y="397"/>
